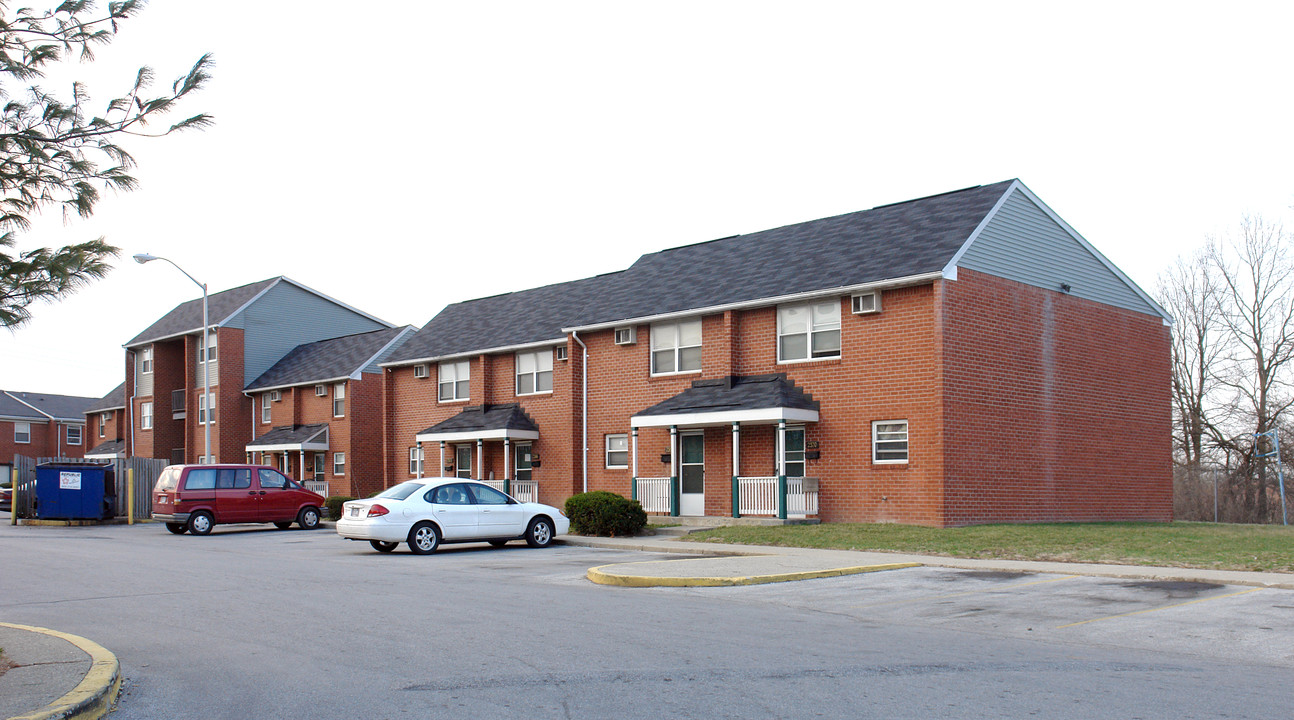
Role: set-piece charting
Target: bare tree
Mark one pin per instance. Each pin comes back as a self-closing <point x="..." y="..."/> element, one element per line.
<point x="1189" y="290"/>
<point x="1256" y="278"/>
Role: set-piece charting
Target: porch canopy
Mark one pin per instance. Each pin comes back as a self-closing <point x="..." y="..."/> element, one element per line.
<point x="292" y="438"/>
<point x="750" y="400"/>
<point x="478" y="423"/>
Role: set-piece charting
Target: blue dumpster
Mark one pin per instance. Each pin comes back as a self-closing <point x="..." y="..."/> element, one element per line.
<point x="81" y="491"/>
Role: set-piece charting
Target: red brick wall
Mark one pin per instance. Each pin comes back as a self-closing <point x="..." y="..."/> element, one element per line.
<point x="169" y="363"/>
<point x="48" y="439"/>
<point x="1056" y="408"/>
<point x="232" y="429"/>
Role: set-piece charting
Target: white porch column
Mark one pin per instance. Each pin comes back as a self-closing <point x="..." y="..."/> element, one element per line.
<point x="675" y="493"/>
<point x="781" y="469"/>
<point x="440" y="469"/>
<point x="302" y="477"/>
<point x="633" y="490"/>
<point x="736" y="469"/>
<point x="507" y="476"/>
<point x="419" y="460"/>
<point x="480" y="459"/>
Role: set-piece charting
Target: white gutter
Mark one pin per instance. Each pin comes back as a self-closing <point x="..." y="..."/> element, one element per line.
<point x="584" y="404"/>
<point x="340" y="378"/>
<point x="921" y="279"/>
<point x="474" y="353"/>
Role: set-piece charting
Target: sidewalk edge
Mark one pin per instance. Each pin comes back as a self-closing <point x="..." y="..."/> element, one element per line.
<point x="94" y="696"/>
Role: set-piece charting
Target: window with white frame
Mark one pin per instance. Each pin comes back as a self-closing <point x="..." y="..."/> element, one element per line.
<point x="204" y="402"/>
<point x="103" y="423"/>
<point x="339" y="400"/>
<point x="454" y="380"/>
<point x="339" y="463"/>
<point x="210" y="349"/>
<point x="534" y="372"/>
<point x="890" y="441"/>
<point x="676" y="347"/>
<point x="146" y="416"/>
<point x="73" y="434"/>
<point x="22" y="432"/>
<point x="146" y="360"/>
<point x="617" y="451"/>
<point x="808" y="331"/>
<point x="415" y="461"/>
<point x="267" y="401"/>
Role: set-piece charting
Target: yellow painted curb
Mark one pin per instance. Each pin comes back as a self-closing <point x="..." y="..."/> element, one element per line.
<point x="94" y="696"/>
<point x="603" y="578"/>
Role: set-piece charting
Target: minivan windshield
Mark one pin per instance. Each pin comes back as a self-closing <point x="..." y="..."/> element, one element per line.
<point x="401" y="491"/>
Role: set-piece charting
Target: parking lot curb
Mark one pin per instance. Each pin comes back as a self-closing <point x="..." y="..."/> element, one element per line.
<point x="599" y="576"/>
<point x="94" y="696"/>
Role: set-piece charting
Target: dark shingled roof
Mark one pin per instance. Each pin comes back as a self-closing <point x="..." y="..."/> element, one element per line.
<point x="63" y="407"/>
<point x="289" y="435"/>
<point x="752" y="392"/>
<point x="116" y="398"/>
<point x="326" y="359"/>
<point x="187" y="316"/>
<point x="112" y="447"/>
<point x="888" y="242"/>
<point x="485" y="417"/>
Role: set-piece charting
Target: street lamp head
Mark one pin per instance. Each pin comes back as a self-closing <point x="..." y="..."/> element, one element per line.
<point x="142" y="258"/>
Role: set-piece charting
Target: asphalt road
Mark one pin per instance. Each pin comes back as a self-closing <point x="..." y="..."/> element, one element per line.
<point x="252" y="622"/>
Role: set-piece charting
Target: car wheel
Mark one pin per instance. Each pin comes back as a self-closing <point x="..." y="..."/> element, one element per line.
<point x="424" y="538"/>
<point x="283" y="525"/>
<point x="498" y="543"/>
<point x="540" y="532"/>
<point x="308" y="518"/>
<point x="177" y="528"/>
<point x="200" y="523"/>
<point x="382" y="546"/>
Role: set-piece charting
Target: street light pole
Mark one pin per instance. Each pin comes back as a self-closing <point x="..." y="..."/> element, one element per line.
<point x="205" y="348"/>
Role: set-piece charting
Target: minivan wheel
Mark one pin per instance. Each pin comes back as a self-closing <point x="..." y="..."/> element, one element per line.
<point x="540" y="532"/>
<point x="177" y="528"/>
<point x="308" y="518"/>
<point x="383" y="546"/>
<point x="283" y="525"/>
<point x="424" y="538"/>
<point x="200" y="523"/>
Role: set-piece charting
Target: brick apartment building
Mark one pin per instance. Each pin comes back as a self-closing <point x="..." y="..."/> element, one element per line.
<point x="319" y="412"/>
<point x="957" y="359"/>
<point x="106" y="424"/>
<point x="39" y="425"/>
<point x="250" y="329"/>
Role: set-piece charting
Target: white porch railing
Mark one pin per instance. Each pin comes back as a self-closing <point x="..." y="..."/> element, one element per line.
<point x="522" y="490"/>
<point x="653" y="494"/>
<point x="318" y="486"/>
<point x="758" y="496"/>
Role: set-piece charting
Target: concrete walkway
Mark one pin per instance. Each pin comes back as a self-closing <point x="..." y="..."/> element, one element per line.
<point x="55" y="675"/>
<point x="718" y="564"/>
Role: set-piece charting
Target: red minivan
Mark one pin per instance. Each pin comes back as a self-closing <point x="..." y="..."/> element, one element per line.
<point x="196" y="498"/>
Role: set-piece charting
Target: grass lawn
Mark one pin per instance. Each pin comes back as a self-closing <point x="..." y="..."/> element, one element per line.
<point x="1181" y="544"/>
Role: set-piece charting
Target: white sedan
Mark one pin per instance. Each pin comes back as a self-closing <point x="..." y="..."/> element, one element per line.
<point x="429" y="511"/>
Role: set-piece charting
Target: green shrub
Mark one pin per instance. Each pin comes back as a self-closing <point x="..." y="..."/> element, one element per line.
<point x="334" y="504"/>
<point x="605" y="513"/>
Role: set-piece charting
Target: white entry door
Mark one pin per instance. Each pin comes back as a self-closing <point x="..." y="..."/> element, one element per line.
<point x="692" y="474"/>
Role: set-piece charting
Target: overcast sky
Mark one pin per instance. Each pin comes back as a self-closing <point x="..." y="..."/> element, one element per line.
<point x="423" y="153"/>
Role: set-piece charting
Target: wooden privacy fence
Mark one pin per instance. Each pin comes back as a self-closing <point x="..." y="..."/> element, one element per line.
<point x="145" y="472"/>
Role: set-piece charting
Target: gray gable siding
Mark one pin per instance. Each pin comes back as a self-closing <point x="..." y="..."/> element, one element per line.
<point x="1022" y="243"/>
<point x="287" y="316"/>
<point x="143" y="380"/>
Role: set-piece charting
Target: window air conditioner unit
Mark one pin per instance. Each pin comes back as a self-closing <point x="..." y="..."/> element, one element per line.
<point x="321" y="390"/>
<point x="276" y="395"/>
<point x="561" y="352"/>
<point x="866" y="303"/>
<point x="625" y="336"/>
<point x="420" y="371"/>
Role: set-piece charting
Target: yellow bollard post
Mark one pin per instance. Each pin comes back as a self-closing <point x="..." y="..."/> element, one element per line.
<point x="130" y="496"/>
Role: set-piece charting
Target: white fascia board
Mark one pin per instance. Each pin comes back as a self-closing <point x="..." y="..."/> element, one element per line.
<point x="334" y="301"/>
<point x="950" y="270"/>
<point x="474" y="353"/>
<point x="105" y="456"/>
<point x="305" y="383"/>
<point x="499" y="434"/>
<point x="762" y="416"/>
<point x="906" y="281"/>
<point x="172" y="336"/>
<point x="42" y="413"/>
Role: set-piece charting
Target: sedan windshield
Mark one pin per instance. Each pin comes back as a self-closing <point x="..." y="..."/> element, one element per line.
<point x="401" y="491"/>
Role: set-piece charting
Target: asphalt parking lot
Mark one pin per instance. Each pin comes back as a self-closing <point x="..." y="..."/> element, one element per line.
<point x="256" y="622"/>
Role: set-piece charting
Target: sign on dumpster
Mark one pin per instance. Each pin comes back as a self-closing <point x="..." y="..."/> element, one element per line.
<point x="69" y="481"/>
